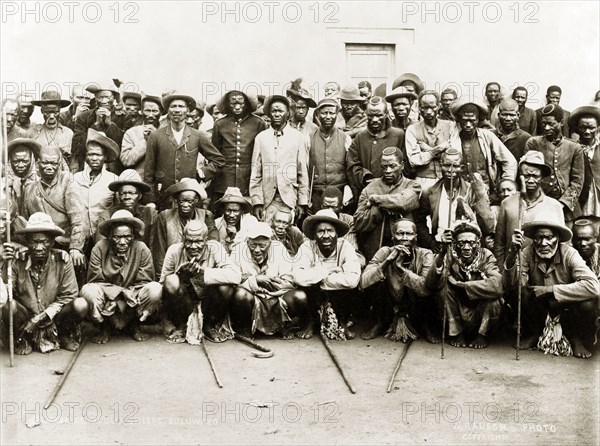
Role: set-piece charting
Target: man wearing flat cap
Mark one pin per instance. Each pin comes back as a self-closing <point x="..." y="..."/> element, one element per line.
<point x="328" y="269"/>
<point x="585" y="122"/>
<point x="235" y="211"/>
<point x="199" y="280"/>
<point x="401" y="100"/>
<point x="52" y="132"/>
<point x="473" y="285"/>
<point x="531" y="202"/>
<point x="173" y="150"/>
<point x="186" y="194"/>
<point x="128" y="189"/>
<point x="351" y="110"/>
<point x="364" y="154"/>
<point x="133" y="148"/>
<point x="385" y="199"/>
<point x="234" y="137"/>
<point x="556" y="283"/>
<point x="482" y="151"/>
<point x="47" y="309"/>
<point x="267" y="298"/>
<point x="120" y="288"/>
<point x="427" y="139"/>
<point x="22" y="155"/>
<point x="279" y="177"/>
<point x="327" y="156"/>
<point x="55" y="194"/>
<point x="93" y="181"/>
<point x="103" y="118"/>
<point x="566" y="159"/>
<point x="585" y="241"/>
<point x="300" y="102"/>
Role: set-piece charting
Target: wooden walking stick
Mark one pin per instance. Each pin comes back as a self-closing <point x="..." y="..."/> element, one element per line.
<point x="9" y="288"/>
<point x="519" y="271"/>
<point x="65" y="375"/>
<point x="211" y="363"/>
<point x="399" y="363"/>
<point x="267" y="352"/>
<point x="447" y="267"/>
<point x="336" y="362"/>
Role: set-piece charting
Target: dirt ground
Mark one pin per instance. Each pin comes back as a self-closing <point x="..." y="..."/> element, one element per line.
<point x="158" y="393"/>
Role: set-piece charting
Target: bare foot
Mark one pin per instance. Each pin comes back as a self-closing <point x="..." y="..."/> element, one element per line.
<point x="101" y="338"/>
<point x="479" y="342"/>
<point x="214" y="336"/>
<point x="167" y="327"/>
<point x="23" y="347"/>
<point x="349" y="333"/>
<point x="529" y="343"/>
<point x="579" y="350"/>
<point x="431" y="337"/>
<point x="457" y="341"/>
<point x="69" y="344"/>
<point x="306" y="332"/>
<point x="285" y="333"/>
<point x="373" y="332"/>
<point x="138" y="335"/>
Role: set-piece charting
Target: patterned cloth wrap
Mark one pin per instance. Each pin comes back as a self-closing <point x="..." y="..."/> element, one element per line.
<point x="330" y="326"/>
<point x="552" y="340"/>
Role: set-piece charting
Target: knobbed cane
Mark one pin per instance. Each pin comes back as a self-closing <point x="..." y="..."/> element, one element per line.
<point x="9" y="288"/>
<point x="447" y="267"/>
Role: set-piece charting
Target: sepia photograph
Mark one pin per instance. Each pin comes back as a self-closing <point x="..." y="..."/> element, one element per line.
<point x="175" y="270"/>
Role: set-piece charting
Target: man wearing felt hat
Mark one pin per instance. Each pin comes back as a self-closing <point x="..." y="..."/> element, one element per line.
<point x="186" y="194"/>
<point x="234" y="137"/>
<point x="172" y="152"/>
<point x="279" y="175"/>
<point x="473" y="285"/>
<point x="482" y="151"/>
<point x="328" y="269"/>
<point x="94" y="179"/>
<point x="585" y="241"/>
<point x="103" y="118"/>
<point x="351" y="110"/>
<point x="55" y="194"/>
<point x="199" y="280"/>
<point x="267" y="298"/>
<point x="555" y="281"/>
<point x="566" y="159"/>
<point x="401" y="100"/>
<point x="120" y="288"/>
<point x="133" y="148"/>
<point x="52" y="132"/>
<point x="532" y="201"/>
<point x="235" y="211"/>
<point x="301" y="101"/>
<point x="47" y="309"/>
<point x="327" y="156"/>
<point x="128" y="189"/>
<point x="413" y="84"/>
<point x="22" y="154"/>
<point x="585" y="122"/>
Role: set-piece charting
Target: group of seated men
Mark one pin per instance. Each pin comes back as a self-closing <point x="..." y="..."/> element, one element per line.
<point x="125" y="214"/>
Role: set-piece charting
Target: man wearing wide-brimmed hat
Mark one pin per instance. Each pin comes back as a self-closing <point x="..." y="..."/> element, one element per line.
<point x="482" y="151"/>
<point x="413" y="84"/>
<point x="94" y="179"/>
<point x="401" y="100"/>
<point x="173" y="150"/>
<point x="532" y="201"/>
<point x="427" y="139"/>
<point x="267" y="298"/>
<point x="556" y="282"/>
<point x="351" y="110"/>
<point x="328" y="268"/>
<point x="301" y="101"/>
<point x="234" y="137"/>
<point x="327" y="156"/>
<point x="47" y="309"/>
<point x="128" y="189"/>
<point x="52" y="132"/>
<point x="133" y="148"/>
<point x="473" y="285"/>
<point x="22" y="153"/>
<point x="55" y="194"/>
<point x="186" y="194"/>
<point x="279" y="175"/>
<point x="235" y="211"/>
<point x="566" y="159"/>
<point x="120" y="288"/>
<point x="585" y="122"/>
<point x="103" y="118"/>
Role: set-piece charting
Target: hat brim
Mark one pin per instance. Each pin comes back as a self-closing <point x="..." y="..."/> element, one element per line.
<point x="62" y="103"/>
<point x="104" y="227"/>
<point x="457" y="105"/>
<point x="29" y="143"/>
<point x="245" y="204"/>
<point x="132" y="94"/>
<point x="114" y="90"/>
<point x="545" y="168"/>
<point x="564" y="233"/>
<point x="391" y="97"/>
<point x="111" y="148"/>
<point x="190" y="101"/>
<point x="222" y="104"/>
<point x="310" y="224"/>
<point x="179" y="187"/>
<point x="589" y="110"/>
<point x="419" y="86"/>
<point x="56" y="231"/>
<point x="297" y="95"/>
<point x="116" y="185"/>
<point x="343" y="97"/>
